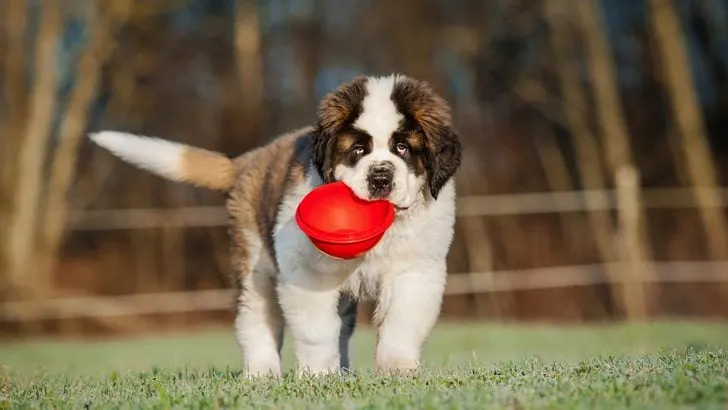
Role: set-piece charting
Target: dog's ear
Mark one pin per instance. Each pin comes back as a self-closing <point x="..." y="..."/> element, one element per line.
<point x="342" y="105"/>
<point x="320" y="144"/>
<point x="336" y="110"/>
<point x="444" y="155"/>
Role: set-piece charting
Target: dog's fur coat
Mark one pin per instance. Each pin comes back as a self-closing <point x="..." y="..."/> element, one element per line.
<point x="385" y="137"/>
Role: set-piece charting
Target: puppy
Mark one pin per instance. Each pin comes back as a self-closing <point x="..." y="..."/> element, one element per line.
<point x="385" y="137"/>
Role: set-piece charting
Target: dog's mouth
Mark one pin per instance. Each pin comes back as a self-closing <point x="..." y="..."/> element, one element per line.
<point x="383" y="197"/>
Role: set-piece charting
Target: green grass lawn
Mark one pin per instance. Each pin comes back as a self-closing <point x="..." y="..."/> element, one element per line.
<point x="658" y="365"/>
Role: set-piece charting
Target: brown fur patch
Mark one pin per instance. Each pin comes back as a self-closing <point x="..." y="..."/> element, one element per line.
<point x="416" y="100"/>
<point x="418" y="162"/>
<point x="410" y="135"/>
<point x="336" y="111"/>
<point x="344" y="142"/>
<point x="429" y="110"/>
<point x="416" y="141"/>
<point x="207" y="169"/>
<point x="263" y="174"/>
<point x="341" y="106"/>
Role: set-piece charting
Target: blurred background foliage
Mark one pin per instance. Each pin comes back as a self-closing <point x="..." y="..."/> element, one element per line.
<point x="548" y="95"/>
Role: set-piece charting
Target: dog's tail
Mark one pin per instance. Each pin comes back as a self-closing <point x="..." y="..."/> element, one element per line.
<point x="171" y="160"/>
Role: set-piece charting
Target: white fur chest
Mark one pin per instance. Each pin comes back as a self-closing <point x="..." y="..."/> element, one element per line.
<point x="421" y="237"/>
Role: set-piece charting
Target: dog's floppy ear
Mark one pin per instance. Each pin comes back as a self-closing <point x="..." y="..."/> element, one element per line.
<point x="336" y="109"/>
<point x="444" y="154"/>
<point x="321" y="144"/>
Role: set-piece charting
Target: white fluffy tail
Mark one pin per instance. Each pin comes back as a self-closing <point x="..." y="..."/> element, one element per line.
<point x="170" y="160"/>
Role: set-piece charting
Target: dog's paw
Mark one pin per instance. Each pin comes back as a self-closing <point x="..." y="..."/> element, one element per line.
<point x="262" y="372"/>
<point x="397" y="365"/>
<point x="317" y="371"/>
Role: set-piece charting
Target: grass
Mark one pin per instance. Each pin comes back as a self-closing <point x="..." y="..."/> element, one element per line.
<point x="657" y="365"/>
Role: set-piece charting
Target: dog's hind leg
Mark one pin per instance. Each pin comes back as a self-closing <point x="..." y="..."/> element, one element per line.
<point x="347" y="312"/>
<point x="259" y="321"/>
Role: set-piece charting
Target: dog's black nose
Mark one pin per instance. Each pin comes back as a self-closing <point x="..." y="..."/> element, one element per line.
<point x="380" y="179"/>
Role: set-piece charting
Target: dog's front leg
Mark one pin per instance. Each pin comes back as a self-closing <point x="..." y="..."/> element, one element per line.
<point x="310" y="310"/>
<point x="407" y="308"/>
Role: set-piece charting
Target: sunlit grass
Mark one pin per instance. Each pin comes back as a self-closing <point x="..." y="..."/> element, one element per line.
<point x="466" y="366"/>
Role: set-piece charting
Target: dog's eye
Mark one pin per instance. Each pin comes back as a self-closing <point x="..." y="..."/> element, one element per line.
<point x="359" y="151"/>
<point x="401" y="148"/>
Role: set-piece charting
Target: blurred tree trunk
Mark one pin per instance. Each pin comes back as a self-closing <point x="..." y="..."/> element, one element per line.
<point x="4" y="33"/>
<point x="250" y="67"/>
<point x="14" y="20"/>
<point x="479" y="248"/>
<point x="15" y="92"/>
<point x="615" y="139"/>
<point x="73" y="125"/>
<point x="408" y="27"/>
<point x="672" y="50"/>
<point x="27" y="188"/>
<point x="308" y="39"/>
<point x="587" y="150"/>
<point x="415" y="32"/>
<point x="558" y="178"/>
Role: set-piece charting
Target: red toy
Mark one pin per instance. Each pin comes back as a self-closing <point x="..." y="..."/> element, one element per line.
<point x="339" y="223"/>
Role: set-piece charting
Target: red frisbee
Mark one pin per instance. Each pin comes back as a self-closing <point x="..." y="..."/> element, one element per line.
<point x="339" y="223"/>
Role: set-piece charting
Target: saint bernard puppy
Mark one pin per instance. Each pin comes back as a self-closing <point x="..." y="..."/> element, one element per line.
<point x="385" y="137"/>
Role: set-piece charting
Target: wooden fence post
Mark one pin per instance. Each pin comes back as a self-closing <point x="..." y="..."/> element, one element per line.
<point x="636" y="266"/>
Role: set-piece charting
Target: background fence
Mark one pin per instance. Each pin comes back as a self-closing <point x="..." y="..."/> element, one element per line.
<point x="591" y="187"/>
<point x="458" y="283"/>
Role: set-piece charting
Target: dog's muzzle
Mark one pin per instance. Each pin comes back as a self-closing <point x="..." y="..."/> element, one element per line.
<point x="381" y="179"/>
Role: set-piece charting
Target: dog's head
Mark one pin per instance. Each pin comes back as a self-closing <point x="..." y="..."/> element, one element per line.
<point x="386" y="138"/>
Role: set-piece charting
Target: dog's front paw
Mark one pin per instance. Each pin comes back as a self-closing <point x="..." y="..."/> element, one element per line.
<point x="263" y="371"/>
<point x="317" y="371"/>
<point x="397" y="365"/>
